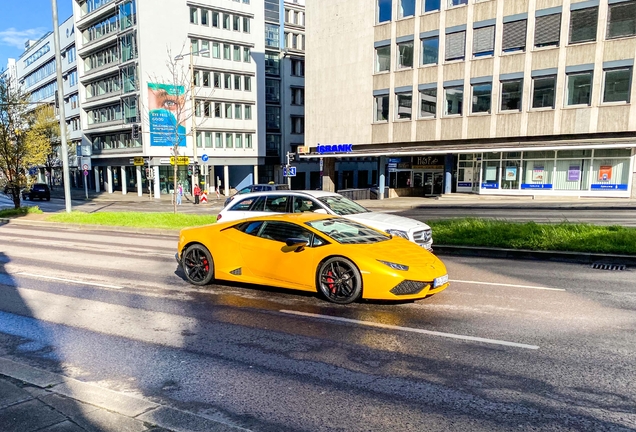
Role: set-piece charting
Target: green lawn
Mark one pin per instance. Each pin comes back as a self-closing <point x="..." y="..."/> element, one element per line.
<point x="22" y="211"/>
<point x="461" y="232"/>
<point x="135" y="219"/>
<point x="563" y="236"/>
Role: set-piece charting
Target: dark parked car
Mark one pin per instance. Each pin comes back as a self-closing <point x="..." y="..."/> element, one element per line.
<point x="38" y="190"/>
<point x="257" y="188"/>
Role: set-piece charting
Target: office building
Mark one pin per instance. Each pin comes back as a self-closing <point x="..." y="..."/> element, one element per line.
<point x="524" y="97"/>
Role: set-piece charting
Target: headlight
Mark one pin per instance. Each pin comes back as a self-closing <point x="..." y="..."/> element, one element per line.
<point x="398" y="233"/>
<point x="438" y="282"/>
<point x="395" y="266"/>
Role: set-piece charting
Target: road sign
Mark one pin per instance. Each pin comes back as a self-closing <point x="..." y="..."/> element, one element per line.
<point x="204" y="157"/>
<point x="181" y="160"/>
<point x="289" y="171"/>
<point x="86" y="163"/>
<point x="85" y="173"/>
<point x="139" y="161"/>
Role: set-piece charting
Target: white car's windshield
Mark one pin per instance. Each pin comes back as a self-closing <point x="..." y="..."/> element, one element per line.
<point x="348" y="232"/>
<point x="342" y="206"/>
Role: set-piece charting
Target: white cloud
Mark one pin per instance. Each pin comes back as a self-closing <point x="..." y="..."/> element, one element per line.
<point x="17" y="38"/>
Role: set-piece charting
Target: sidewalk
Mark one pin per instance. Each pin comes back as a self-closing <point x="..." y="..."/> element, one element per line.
<point x="32" y="400"/>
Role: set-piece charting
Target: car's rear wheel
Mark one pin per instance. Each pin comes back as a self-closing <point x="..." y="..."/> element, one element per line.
<point x="339" y="280"/>
<point x="198" y="265"/>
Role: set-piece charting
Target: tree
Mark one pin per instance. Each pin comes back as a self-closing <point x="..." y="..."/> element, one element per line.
<point x="21" y="146"/>
<point x="168" y="111"/>
<point x="47" y="126"/>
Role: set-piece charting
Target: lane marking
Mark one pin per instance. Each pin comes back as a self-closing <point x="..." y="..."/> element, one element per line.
<point x="69" y="280"/>
<point x="508" y="285"/>
<point x="412" y="330"/>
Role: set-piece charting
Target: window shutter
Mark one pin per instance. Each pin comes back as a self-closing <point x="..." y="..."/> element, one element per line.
<point x="514" y="34"/>
<point x="455" y="45"/>
<point x="547" y="30"/>
<point x="583" y="24"/>
<point x="483" y="39"/>
<point x="622" y="20"/>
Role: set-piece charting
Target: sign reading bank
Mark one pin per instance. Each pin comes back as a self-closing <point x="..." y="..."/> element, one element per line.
<point x="334" y="148"/>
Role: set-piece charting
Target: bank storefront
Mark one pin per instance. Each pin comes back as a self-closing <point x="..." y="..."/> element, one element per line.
<point x="574" y="172"/>
<point x="416" y="175"/>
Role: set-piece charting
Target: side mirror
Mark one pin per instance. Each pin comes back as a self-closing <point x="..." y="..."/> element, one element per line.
<point x="297" y="243"/>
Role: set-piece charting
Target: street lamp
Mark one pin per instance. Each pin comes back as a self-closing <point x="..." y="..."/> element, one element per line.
<point x="195" y="175"/>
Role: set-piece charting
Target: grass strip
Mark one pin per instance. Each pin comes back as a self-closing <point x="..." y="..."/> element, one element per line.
<point x="564" y="236"/>
<point x="22" y="211"/>
<point x="135" y="219"/>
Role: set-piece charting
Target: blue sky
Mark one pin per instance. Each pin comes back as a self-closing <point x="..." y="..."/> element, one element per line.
<point x="27" y="19"/>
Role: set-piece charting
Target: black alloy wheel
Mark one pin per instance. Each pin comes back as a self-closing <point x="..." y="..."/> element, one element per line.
<point x="339" y="280"/>
<point x="198" y="265"/>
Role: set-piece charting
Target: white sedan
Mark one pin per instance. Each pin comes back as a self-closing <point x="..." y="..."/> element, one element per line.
<point x="266" y="203"/>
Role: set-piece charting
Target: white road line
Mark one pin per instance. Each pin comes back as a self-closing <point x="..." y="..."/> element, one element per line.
<point x="412" y="330"/>
<point x="508" y="285"/>
<point x="69" y="280"/>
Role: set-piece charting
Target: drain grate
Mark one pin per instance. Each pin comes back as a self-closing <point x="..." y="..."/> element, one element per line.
<point x="606" y="266"/>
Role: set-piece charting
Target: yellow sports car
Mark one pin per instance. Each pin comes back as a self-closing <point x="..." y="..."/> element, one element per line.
<point x="341" y="259"/>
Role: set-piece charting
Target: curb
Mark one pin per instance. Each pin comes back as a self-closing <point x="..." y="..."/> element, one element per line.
<point x="89" y="227"/>
<point x="569" y="257"/>
<point x="133" y="407"/>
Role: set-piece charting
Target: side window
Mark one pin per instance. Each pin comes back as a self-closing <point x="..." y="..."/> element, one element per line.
<point x="282" y="187"/>
<point x="245" y="190"/>
<point x="243" y="205"/>
<point x="302" y="205"/>
<point x="281" y="231"/>
<point x="257" y="188"/>
<point x="250" y="228"/>
<point x="276" y="203"/>
<point x="259" y="205"/>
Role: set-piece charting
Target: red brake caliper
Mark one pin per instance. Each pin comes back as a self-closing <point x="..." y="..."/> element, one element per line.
<point x="330" y="282"/>
<point x="206" y="265"/>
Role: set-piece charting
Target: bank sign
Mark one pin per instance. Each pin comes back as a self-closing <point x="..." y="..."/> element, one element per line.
<point x="334" y="148"/>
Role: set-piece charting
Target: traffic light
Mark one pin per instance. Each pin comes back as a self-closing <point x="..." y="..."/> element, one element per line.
<point x="197" y="169"/>
<point x="290" y="157"/>
<point x="189" y="170"/>
<point x="135" y="131"/>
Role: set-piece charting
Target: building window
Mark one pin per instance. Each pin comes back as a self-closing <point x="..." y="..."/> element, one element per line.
<point x="621" y="20"/>
<point x="227" y="81"/>
<point x="406" y="8"/>
<point x="193" y="15"/>
<point x="453" y="3"/>
<point x="205" y="77"/>
<point x="579" y="89"/>
<point x="237" y="82"/>
<point x="248" y="140"/>
<point x="272" y="91"/>
<point x="298" y="125"/>
<point x="228" y="111"/>
<point x="547" y="30"/>
<point x="238" y="111"/>
<point x="247" y="55"/>
<point x="237" y="53"/>
<point x="431" y="5"/>
<point x="511" y="92"/>
<point x="238" y="140"/>
<point x="384" y="10"/>
<point x="218" y="140"/>
<point x="454" y="97"/>
<point x="247" y="84"/>
<point x="455" y="46"/>
<point x="208" y="139"/>
<point x="617" y="85"/>
<point x="236" y="23"/>
<point x="381" y="108"/>
<point x="217" y="80"/>
<point x="383" y="59"/>
<point x="484" y="41"/>
<point x="205" y="49"/>
<point x="227" y="50"/>
<point x="248" y="112"/>
<point x="405" y="55"/>
<point x="543" y="92"/>
<point x="216" y="50"/>
<point x="226" y="21"/>
<point x="246" y="25"/>
<point x="430" y="50"/>
<point x="298" y="67"/>
<point x="215" y="19"/>
<point x="482" y="94"/>
<point x="217" y="109"/>
<point x="204" y="17"/>
<point x="514" y="36"/>
<point x="428" y="103"/>
<point x="272" y="35"/>
<point x="298" y="96"/>
<point x="229" y="142"/>
<point x="404" y="104"/>
<point x="583" y="24"/>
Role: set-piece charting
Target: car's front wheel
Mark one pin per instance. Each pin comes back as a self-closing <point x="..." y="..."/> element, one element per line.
<point x="339" y="280"/>
<point x="198" y="265"/>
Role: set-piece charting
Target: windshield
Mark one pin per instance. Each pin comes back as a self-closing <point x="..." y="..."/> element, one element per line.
<point x="341" y="205"/>
<point x="348" y="232"/>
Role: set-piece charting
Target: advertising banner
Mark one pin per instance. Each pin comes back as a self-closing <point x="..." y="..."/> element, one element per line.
<point x="605" y="173"/>
<point x="511" y="173"/>
<point x="166" y="103"/>
<point x="574" y="173"/>
<point x="491" y="173"/>
<point x="537" y="173"/>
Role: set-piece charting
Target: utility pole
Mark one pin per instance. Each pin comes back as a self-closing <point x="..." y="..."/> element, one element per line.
<point x="60" y="98"/>
<point x="290" y="159"/>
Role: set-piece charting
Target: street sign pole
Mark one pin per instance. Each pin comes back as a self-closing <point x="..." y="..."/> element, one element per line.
<point x="86" y="183"/>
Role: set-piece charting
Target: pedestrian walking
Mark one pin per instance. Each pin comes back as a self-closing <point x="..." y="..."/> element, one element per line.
<point x="197" y="193"/>
<point x="179" y="193"/>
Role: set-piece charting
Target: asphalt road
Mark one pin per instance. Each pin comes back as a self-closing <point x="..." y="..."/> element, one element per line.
<point x="510" y="345"/>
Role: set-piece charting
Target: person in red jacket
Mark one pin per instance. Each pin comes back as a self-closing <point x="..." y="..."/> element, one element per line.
<point x="197" y="193"/>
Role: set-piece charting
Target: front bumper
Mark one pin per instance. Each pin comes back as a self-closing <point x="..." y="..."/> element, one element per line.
<point x="176" y="256"/>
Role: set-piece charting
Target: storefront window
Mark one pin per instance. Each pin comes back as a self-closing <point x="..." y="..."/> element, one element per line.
<point x="510" y="175"/>
<point x="490" y="174"/>
<point x="572" y="174"/>
<point x="492" y="156"/>
<point x="537" y="174"/>
<point x="610" y="174"/>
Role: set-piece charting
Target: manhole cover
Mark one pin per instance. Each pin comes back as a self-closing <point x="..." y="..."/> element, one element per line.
<point x="607" y="266"/>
